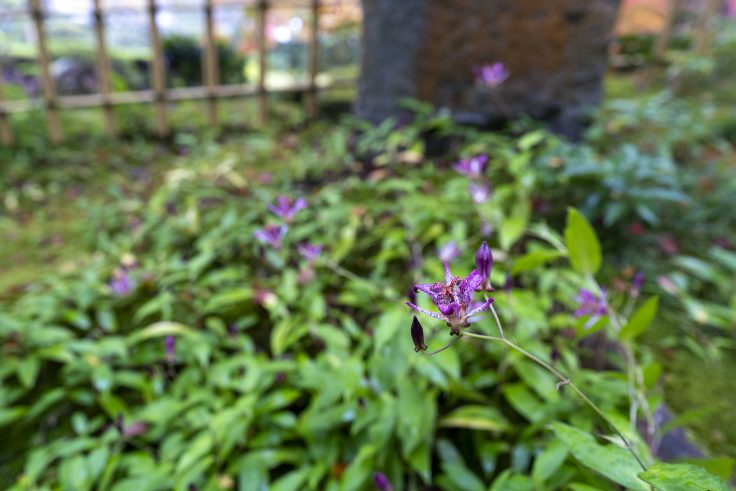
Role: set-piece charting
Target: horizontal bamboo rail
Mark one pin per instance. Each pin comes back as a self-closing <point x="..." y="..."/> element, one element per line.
<point x="158" y="94"/>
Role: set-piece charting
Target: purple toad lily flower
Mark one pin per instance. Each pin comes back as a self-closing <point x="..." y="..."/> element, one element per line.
<point x="453" y="299"/>
<point x="286" y="208"/>
<point x="381" y="482"/>
<point x="120" y="284"/>
<point x="592" y="305"/>
<point x="479" y="192"/>
<point x="310" y="252"/>
<point x="448" y="252"/>
<point x="473" y="167"/>
<point x="483" y="265"/>
<point x="492" y="75"/>
<point x="271" y="235"/>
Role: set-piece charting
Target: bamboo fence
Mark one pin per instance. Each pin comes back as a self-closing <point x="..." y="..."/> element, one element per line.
<point x="212" y="91"/>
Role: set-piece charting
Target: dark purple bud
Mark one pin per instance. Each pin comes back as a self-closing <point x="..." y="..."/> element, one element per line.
<point x="381" y="481"/>
<point x="233" y="329"/>
<point x="637" y="283"/>
<point x="555" y="355"/>
<point x="417" y="336"/>
<point x="483" y="264"/>
<point x="170" y="346"/>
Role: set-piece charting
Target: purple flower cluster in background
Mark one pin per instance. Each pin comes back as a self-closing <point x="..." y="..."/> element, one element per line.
<point x="472" y="167"/>
<point x="491" y="75"/>
<point x="590" y="304"/>
<point x="448" y="252"/>
<point x="120" y="284"/>
<point x="479" y="192"/>
<point x="287" y="209"/>
<point x="310" y="252"/>
<point x="271" y="235"/>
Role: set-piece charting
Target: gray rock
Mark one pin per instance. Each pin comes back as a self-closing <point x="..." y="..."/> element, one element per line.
<point x="555" y="51"/>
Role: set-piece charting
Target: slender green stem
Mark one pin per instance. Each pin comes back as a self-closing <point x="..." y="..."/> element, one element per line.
<point x="498" y="321"/>
<point x="564" y="381"/>
<point x="447" y="346"/>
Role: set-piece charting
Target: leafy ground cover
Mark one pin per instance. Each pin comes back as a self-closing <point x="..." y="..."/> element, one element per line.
<point x="161" y="328"/>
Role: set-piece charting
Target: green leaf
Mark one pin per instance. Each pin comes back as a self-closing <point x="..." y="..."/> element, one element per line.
<point x="548" y="462"/>
<point x="27" y="371"/>
<point x="611" y="461"/>
<point x="513" y="226"/>
<point x="534" y="259"/>
<point x="582" y="243"/>
<point x="640" y="320"/>
<point x="228" y="298"/>
<point x="682" y="477"/>
<point x="160" y="329"/>
<point x="8" y="415"/>
<point x="476" y="418"/>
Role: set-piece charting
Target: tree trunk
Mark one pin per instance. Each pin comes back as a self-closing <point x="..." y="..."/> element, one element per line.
<point x="554" y="50"/>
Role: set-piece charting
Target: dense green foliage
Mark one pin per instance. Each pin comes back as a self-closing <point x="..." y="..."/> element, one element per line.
<point x="286" y="374"/>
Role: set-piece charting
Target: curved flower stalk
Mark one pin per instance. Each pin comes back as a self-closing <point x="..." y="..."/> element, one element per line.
<point x="454" y="296"/>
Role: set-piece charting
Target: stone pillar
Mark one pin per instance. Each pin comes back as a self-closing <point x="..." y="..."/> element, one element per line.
<point x="555" y="51"/>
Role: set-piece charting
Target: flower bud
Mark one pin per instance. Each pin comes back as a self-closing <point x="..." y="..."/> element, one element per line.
<point x="381" y="481"/>
<point x="417" y="335"/>
<point x="483" y="264"/>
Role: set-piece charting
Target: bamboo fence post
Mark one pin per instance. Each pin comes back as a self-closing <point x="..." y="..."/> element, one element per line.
<point x="311" y="98"/>
<point x="49" y="91"/>
<point x="210" y="63"/>
<point x="158" y="75"/>
<point x="262" y="9"/>
<point x="103" y="70"/>
<point x="6" y="133"/>
<point x="703" y="34"/>
<point x="665" y="36"/>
